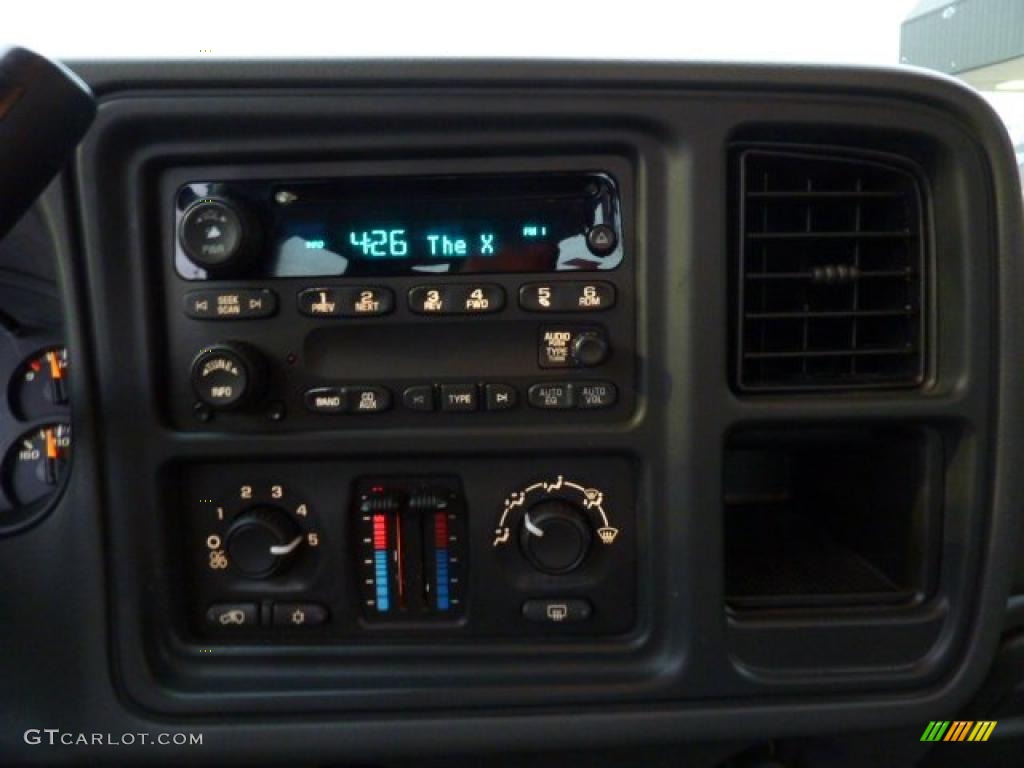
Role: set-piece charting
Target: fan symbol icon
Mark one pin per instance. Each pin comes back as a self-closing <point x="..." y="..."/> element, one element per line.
<point x="298" y="616"/>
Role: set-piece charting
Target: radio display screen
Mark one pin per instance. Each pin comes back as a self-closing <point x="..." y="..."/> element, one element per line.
<point x="398" y="226"/>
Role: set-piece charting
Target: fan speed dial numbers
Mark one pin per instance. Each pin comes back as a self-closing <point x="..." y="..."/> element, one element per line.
<point x="260" y="532"/>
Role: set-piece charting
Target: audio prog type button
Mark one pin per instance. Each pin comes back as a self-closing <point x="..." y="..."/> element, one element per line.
<point x="469" y="299"/>
<point x="362" y="301"/>
<point x="556" y="611"/>
<point x="298" y="615"/>
<point x="569" y="296"/>
<point x="568" y="347"/>
<point x="232" y="615"/>
<point x="241" y="304"/>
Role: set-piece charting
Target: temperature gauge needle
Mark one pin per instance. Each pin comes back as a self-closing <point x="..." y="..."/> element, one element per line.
<point x="56" y="377"/>
<point x="51" y="457"/>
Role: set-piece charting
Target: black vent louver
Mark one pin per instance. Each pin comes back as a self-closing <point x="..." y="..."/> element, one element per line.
<point x="831" y="272"/>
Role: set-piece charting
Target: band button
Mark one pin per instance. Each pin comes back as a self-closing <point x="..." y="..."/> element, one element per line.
<point x="326" y="400"/>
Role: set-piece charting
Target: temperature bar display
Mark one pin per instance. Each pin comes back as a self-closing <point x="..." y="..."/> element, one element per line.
<point x="411" y="548"/>
<point x="380" y="562"/>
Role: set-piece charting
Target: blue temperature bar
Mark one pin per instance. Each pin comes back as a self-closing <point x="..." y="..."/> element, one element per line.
<point x="442" y="580"/>
<point x="381" y="577"/>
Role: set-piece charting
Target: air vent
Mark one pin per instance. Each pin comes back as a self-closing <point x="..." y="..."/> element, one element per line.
<point x="831" y="272"/>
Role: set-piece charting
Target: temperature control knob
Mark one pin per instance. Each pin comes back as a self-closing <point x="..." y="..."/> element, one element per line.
<point x="228" y="375"/>
<point x="261" y="541"/>
<point x="555" y="536"/>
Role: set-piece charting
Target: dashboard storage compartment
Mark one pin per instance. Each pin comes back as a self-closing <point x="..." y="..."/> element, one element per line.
<point x="830" y="517"/>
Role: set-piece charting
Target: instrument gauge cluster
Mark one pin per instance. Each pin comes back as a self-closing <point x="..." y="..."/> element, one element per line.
<point x="35" y="429"/>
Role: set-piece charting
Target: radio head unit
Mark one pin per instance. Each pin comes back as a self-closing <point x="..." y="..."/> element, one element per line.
<point x="362" y="299"/>
<point x="398" y="226"/>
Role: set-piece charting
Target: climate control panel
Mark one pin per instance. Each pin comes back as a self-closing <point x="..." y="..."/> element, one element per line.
<point x="470" y="547"/>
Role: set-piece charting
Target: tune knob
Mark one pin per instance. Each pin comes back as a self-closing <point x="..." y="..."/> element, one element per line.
<point x="261" y="541"/>
<point x="589" y="348"/>
<point x="555" y="536"/>
<point x="228" y="375"/>
<point x="215" y="234"/>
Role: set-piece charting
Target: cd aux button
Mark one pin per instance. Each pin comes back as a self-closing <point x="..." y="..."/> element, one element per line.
<point x="368" y="399"/>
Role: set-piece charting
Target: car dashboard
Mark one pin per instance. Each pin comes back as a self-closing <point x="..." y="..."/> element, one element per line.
<point x="425" y="408"/>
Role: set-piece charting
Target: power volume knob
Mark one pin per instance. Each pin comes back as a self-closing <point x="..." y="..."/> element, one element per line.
<point x="260" y="541"/>
<point x="555" y="536"/>
<point x="228" y="375"/>
<point x="215" y="234"/>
